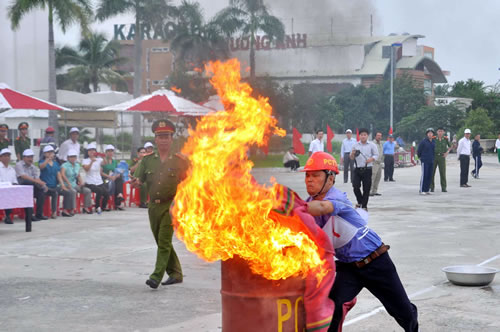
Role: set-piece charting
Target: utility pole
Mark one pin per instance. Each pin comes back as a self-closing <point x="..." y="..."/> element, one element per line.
<point x="392" y="83"/>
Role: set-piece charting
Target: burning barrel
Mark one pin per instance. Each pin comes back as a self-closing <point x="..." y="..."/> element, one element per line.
<point x="252" y="303"/>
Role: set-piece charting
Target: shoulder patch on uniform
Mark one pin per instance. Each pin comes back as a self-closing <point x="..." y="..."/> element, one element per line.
<point x="181" y="156"/>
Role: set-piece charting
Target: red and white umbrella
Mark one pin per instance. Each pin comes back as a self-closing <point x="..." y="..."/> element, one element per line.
<point x="162" y="100"/>
<point x="15" y="100"/>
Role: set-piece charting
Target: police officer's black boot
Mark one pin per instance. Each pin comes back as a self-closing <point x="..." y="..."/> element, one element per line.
<point x="152" y="283"/>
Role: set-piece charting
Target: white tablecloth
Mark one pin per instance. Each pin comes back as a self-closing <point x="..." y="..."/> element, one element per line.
<point x="16" y="197"/>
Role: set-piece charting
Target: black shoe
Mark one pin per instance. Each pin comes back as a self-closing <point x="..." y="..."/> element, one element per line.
<point x="120" y="208"/>
<point x="386" y="180"/>
<point x="143" y="206"/>
<point x="34" y="218"/>
<point x="64" y="214"/>
<point x="444" y="191"/>
<point x="106" y="209"/>
<point x="42" y="218"/>
<point x="372" y="194"/>
<point x="392" y="180"/>
<point x="8" y="221"/>
<point x="87" y="211"/>
<point x="171" y="281"/>
<point x="152" y="283"/>
<point x="378" y="194"/>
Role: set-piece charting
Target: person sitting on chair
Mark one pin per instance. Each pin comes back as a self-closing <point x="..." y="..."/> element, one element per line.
<point x="291" y="160"/>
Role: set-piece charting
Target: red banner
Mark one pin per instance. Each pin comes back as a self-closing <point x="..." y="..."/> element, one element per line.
<point x="329" y="136"/>
<point x="296" y="143"/>
<point x="357" y="134"/>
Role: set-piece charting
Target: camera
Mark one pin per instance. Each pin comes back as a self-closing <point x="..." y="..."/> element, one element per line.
<point x="357" y="153"/>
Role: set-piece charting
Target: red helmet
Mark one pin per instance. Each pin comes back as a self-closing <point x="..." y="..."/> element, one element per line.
<point x="49" y="130"/>
<point x="321" y="161"/>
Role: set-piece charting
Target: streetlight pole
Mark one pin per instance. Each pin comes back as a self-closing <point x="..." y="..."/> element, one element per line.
<point x="392" y="84"/>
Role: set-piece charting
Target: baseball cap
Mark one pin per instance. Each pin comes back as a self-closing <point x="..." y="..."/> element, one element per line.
<point x="5" y="151"/>
<point x="74" y="130"/>
<point x="49" y="130"/>
<point x="148" y="145"/>
<point x="48" y="148"/>
<point x="73" y="153"/>
<point x="467" y="131"/>
<point x="109" y="147"/>
<point x="348" y="131"/>
<point x="28" y="153"/>
<point x="91" y="146"/>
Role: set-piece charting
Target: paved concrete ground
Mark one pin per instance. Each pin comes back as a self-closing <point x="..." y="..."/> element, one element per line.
<point x="87" y="273"/>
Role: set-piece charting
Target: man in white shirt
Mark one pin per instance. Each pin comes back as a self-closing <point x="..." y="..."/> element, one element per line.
<point x="69" y="144"/>
<point x="317" y="144"/>
<point x="345" y="151"/>
<point x="7" y="174"/>
<point x="497" y="147"/>
<point x="463" y="153"/>
<point x="363" y="153"/>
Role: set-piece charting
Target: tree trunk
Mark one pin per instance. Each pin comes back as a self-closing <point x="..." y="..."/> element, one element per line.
<point x="136" y="136"/>
<point x="52" y="76"/>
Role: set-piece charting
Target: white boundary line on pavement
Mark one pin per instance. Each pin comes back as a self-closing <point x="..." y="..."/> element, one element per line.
<point x="420" y="292"/>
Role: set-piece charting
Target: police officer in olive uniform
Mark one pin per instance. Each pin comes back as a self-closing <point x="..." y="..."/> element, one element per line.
<point x="162" y="171"/>
<point x="4" y="141"/>
<point x="443" y="147"/>
<point x="22" y="141"/>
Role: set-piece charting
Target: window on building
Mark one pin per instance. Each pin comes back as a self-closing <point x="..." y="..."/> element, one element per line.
<point x="158" y="82"/>
<point x="428" y="87"/>
<point x="429" y="55"/>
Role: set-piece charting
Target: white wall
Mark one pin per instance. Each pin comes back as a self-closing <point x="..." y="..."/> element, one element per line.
<point x="24" y="52"/>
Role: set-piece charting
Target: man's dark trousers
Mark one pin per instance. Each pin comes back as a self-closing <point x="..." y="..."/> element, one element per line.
<point x="348" y="166"/>
<point x="381" y="279"/>
<point x="425" y="180"/>
<point x="388" y="167"/>
<point x="478" y="163"/>
<point x="464" y="168"/>
<point x="362" y="176"/>
<point x="38" y="194"/>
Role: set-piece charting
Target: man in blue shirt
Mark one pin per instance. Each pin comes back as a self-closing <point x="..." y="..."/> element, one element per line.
<point x="425" y="153"/>
<point x="363" y="260"/>
<point x="389" y="148"/>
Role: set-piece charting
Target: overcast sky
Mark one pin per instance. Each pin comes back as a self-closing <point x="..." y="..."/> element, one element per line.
<point x="464" y="33"/>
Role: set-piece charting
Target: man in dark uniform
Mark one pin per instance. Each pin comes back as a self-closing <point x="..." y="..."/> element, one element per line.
<point x="162" y="172"/>
<point x="477" y="150"/>
<point x="22" y="141"/>
<point x="425" y="153"/>
<point x="441" y="150"/>
<point x="4" y="141"/>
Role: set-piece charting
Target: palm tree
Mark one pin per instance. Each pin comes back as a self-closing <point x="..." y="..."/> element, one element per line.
<point x="66" y="12"/>
<point x="250" y="17"/>
<point x="149" y="11"/>
<point x="94" y="62"/>
<point x="196" y="41"/>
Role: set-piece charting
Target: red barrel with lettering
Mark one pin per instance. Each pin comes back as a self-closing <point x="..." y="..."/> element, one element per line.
<point x="251" y="303"/>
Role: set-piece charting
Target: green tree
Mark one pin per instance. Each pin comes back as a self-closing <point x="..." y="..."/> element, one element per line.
<point x="249" y="17"/>
<point x="144" y="11"/>
<point x="195" y="41"/>
<point x="94" y="62"/>
<point x="66" y="12"/>
<point x="483" y="97"/>
<point x="442" y="90"/>
<point x="479" y="122"/>
<point x="192" y="84"/>
<point x="413" y="126"/>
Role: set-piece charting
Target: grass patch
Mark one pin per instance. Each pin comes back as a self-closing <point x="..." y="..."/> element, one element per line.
<point x="276" y="160"/>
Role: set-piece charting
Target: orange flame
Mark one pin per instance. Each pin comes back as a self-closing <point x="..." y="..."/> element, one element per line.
<point x="176" y="89"/>
<point x="220" y="211"/>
